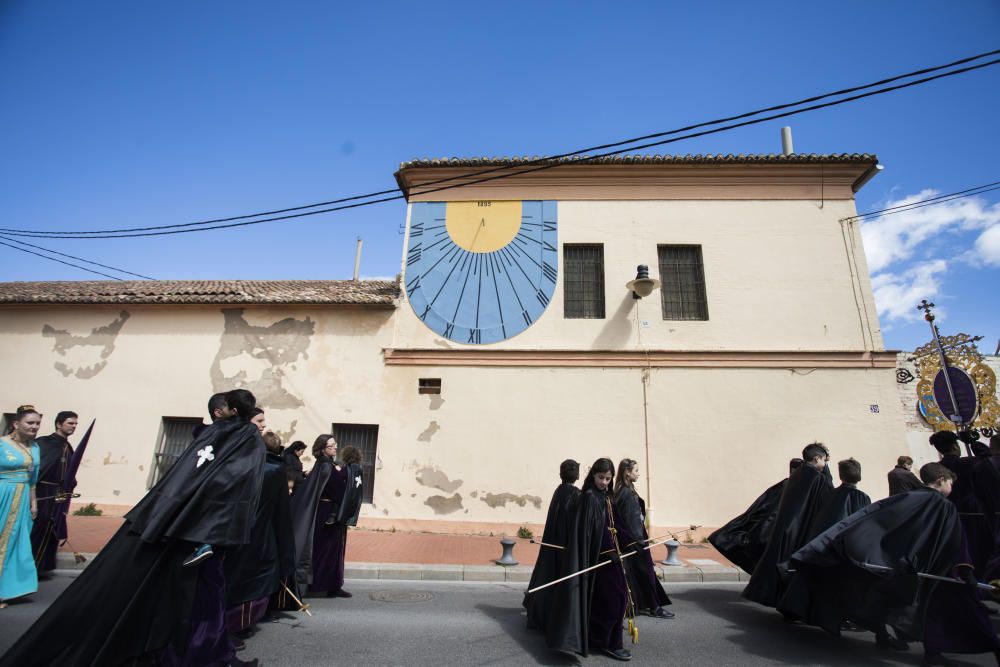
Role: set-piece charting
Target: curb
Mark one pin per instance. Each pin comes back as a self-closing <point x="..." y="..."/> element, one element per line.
<point x="687" y="573"/>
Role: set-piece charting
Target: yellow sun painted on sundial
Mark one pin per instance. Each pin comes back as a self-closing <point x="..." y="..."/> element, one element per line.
<point x="483" y="226"/>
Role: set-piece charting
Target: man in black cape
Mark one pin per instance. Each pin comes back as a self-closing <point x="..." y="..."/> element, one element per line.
<point x="845" y="500"/>
<point x="307" y="510"/>
<point x="986" y="480"/>
<point x="864" y="570"/>
<point x="742" y="540"/>
<point x="555" y="538"/>
<point x="978" y="532"/>
<point x="805" y="493"/>
<point x="256" y="570"/>
<point x="136" y="601"/>
<point x="901" y="478"/>
<point x="49" y="528"/>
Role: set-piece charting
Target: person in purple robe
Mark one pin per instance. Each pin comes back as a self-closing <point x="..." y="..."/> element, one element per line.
<point x="49" y="528"/>
<point x="324" y="507"/>
<point x="977" y="530"/>
<point x="955" y="621"/>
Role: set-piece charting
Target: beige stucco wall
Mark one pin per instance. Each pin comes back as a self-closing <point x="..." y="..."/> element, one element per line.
<point x="777" y="273"/>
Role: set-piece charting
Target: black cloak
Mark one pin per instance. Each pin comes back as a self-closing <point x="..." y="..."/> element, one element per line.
<point x="742" y="540"/>
<point x="293" y="465"/>
<point x="568" y="616"/>
<point x="804" y="494"/>
<point x="986" y="479"/>
<point x="257" y="569"/>
<point x="136" y="598"/>
<point x="647" y="591"/>
<point x="207" y="500"/>
<point x="350" y="505"/>
<point x="845" y="500"/>
<point x="305" y="503"/>
<point x="912" y="532"/>
<point x="902" y="480"/>
<point x="49" y="527"/>
<point x="551" y="560"/>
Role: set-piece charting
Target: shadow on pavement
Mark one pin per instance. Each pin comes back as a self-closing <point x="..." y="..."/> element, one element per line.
<point x="764" y="632"/>
<point x="512" y="621"/>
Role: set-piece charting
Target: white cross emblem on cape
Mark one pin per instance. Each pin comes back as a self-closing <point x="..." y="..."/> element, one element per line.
<point x="205" y="454"/>
<point x="357" y="481"/>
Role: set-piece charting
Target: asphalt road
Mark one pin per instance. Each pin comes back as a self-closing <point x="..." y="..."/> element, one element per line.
<point x="456" y="623"/>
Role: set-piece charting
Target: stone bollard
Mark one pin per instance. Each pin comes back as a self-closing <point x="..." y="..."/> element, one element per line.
<point x="672" y="547"/>
<point x="507" y="558"/>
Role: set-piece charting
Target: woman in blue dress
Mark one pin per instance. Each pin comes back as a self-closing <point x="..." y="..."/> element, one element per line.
<point x="18" y="474"/>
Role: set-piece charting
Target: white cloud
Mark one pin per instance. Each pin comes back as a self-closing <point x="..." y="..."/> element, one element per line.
<point x="895" y="237"/>
<point x="897" y="294"/>
<point x="988" y="246"/>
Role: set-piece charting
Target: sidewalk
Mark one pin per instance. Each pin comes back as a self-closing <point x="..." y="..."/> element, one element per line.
<point x="411" y="555"/>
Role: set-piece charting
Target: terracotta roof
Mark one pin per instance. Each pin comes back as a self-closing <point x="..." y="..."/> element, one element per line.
<point x="639" y="159"/>
<point x="364" y="292"/>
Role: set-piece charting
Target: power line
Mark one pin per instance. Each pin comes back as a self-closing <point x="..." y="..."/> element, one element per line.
<point x="530" y="162"/>
<point x="79" y="259"/>
<point x="53" y="259"/>
<point x="930" y="201"/>
<point x="549" y="164"/>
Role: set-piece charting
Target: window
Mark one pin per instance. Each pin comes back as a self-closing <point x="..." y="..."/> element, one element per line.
<point x="175" y="436"/>
<point x="429" y="386"/>
<point x="365" y="438"/>
<point x="583" y="281"/>
<point x="682" y="275"/>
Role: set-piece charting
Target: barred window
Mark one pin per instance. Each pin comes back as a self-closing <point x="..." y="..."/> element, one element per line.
<point x="365" y="438"/>
<point x="583" y="281"/>
<point x="682" y="274"/>
<point x="175" y="436"/>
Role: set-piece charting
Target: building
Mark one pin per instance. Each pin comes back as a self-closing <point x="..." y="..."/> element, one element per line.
<point x="762" y="338"/>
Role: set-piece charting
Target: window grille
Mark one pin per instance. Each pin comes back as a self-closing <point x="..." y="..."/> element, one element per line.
<point x="429" y="386"/>
<point x="583" y="281"/>
<point x="175" y="436"/>
<point x="682" y="274"/>
<point x="365" y="438"/>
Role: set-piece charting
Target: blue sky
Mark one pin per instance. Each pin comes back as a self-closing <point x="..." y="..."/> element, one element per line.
<point x="120" y="114"/>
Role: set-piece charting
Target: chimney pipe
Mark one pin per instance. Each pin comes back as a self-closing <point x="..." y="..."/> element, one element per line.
<point x="786" y="141"/>
<point x="357" y="260"/>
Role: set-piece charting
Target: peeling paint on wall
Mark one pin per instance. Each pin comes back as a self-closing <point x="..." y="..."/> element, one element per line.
<point x="435" y="478"/>
<point x="496" y="500"/>
<point x="429" y="432"/>
<point x="398" y="494"/>
<point x="444" y="505"/>
<point x="436" y="401"/>
<point x="102" y="338"/>
<point x="474" y="494"/>
<point x="271" y="350"/>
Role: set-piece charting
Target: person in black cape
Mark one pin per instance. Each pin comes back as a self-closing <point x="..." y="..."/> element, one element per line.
<point x="49" y="527"/>
<point x="587" y="611"/>
<point x="901" y="478"/>
<point x="978" y="532"/>
<point x="293" y="463"/>
<point x="551" y="563"/>
<point x="986" y="481"/>
<point x="845" y="500"/>
<point x="323" y="508"/>
<point x="916" y="531"/>
<point x="647" y="592"/>
<point x="136" y="603"/>
<point x="743" y="539"/>
<point x="804" y="494"/>
<point x="256" y="570"/>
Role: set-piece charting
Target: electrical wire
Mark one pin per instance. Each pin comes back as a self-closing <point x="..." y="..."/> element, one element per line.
<point x="559" y="156"/>
<point x="79" y="259"/>
<point x="53" y="259"/>
<point x="940" y="199"/>
<point x="178" y="229"/>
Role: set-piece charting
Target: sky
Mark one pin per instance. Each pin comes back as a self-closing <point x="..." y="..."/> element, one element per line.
<point x="125" y="114"/>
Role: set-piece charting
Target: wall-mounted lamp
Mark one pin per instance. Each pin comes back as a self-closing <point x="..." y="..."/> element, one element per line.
<point x="643" y="285"/>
